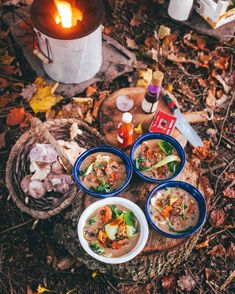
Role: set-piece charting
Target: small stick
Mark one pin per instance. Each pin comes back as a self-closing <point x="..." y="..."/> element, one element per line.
<point x="212" y="288"/>
<point x="213" y="168"/>
<point x="225" y="118"/>
<point x="16" y="227"/>
<point x="217" y="181"/>
<point x="227" y="281"/>
<point x="13" y="79"/>
<point x="221" y="231"/>
<point x="111" y="285"/>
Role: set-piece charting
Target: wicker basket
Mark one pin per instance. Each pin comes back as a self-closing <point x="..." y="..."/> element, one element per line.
<point x="19" y="162"/>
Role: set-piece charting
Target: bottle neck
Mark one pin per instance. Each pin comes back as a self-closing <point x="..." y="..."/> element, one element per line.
<point x="154" y="89"/>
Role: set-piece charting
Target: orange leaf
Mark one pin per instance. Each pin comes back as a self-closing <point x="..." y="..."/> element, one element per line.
<point x="203" y="244"/>
<point x="15" y="116"/>
<point x="91" y="90"/>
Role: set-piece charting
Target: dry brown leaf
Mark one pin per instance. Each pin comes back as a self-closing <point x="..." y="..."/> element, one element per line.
<point x="15" y="116"/>
<point x="195" y="42"/>
<point x="229" y="175"/>
<point x="2" y="140"/>
<point x="29" y="91"/>
<point x="202" y="83"/>
<point x="186" y="91"/>
<point x="218" y="217"/>
<point x="136" y="20"/>
<point x="229" y="192"/>
<point x="154" y="54"/>
<point x="223" y="83"/>
<point x="107" y="30"/>
<point x="181" y="59"/>
<point x="3" y="83"/>
<point x="7" y="98"/>
<point x="210" y="99"/>
<point x="131" y="43"/>
<point x="169" y="40"/>
<point x="187" y="282"/>
<point x="231" y="251"/>
<point x="218" y="251"/>
<point x="210" y="274"/>
<point x="163" y="31"/>
<point x="150" y="42"/>
<point x="168" y="282"/>
<point x="221" y="62"/>
<point x="91" y="90"/>
<point x="202" y="152"/>
<point x="203" y="244"/>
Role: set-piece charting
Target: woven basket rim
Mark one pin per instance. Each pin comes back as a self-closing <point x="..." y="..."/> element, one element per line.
<point x="37" y="214"/>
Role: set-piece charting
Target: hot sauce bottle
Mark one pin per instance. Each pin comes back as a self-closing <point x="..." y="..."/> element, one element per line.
<point x="125" y="132"/>
<point x="149" y="104"/>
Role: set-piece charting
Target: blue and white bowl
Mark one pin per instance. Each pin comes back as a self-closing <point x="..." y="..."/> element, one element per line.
<point x="193" y="192"/>
<point x="107" y="149"/>
<point x="158" y="136"/>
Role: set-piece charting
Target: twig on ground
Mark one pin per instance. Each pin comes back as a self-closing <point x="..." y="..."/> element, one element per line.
<point x="213" y="168"/>
<point x="217" y="181"/>
<point x="225" y="118"/>
<point x="110" y="284"/>
<point x="227" y="281"/>
<point x="16" y="227"/>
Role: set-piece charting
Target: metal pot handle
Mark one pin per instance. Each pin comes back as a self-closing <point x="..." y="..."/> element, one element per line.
<point x="38" y="52"/>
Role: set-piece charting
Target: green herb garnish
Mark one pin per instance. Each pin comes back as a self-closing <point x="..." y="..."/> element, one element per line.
<point x="129" y="218"/>
<point x="138" y="161"/>
<point x="92" y="220"/>
<point x="173" y="166"/>
<point x="103" y="187"/>
<point x="115" y="211"/>
<point x="96" y="248"/>
<point x="166" y="147"/>
<point x="88" y="170"/>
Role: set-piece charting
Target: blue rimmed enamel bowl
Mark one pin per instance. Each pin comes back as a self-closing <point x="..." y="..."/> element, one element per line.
<point x="103" y="149"/>
<point x="163" y="137"/>
<point x="193" y="191"/>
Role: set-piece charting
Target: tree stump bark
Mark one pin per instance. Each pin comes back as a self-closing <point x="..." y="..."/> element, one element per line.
<point x="110" y="116"/>
<point x="160" y="254"/>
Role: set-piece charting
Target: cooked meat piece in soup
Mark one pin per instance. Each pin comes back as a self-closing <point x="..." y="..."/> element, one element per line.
<point x="102" y="172"/>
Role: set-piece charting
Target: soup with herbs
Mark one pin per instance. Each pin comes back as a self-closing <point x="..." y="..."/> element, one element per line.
<point x="102" y="172"/>
<point x="174" y="210"/>
<point x="156" y="159"/>
<point x="111" y="231"/>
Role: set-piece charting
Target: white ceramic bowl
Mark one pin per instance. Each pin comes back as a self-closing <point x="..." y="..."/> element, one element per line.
<point x="143" y="225"/>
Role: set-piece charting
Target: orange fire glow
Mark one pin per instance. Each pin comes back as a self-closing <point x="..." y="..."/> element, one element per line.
<point x="66" y="14"/>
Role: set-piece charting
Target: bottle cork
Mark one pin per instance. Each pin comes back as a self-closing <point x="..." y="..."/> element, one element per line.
<point x="157" y="78"/>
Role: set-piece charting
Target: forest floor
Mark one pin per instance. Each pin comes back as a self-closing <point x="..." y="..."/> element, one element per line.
<point x="199" y="70"/>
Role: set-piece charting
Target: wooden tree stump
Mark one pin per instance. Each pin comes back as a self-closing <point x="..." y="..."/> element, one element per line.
<point x="160" y="254"/>
<point x="110" y="116"/>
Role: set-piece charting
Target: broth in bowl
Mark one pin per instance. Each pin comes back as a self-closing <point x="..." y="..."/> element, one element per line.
<point x="102" y="172"/>
<point x="111" y="231"/>
<point x="174" y="210"/>
<point x="156" y="159"/>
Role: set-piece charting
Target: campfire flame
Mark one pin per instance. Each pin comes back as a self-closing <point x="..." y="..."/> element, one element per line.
<point x="68" y="15"/>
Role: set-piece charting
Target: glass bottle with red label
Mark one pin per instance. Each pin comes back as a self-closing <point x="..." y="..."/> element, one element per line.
<point x="125" y="133"/>
<point x="150" y="101"/>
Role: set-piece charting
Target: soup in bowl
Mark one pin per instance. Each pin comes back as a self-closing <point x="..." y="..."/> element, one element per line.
<point x="157" y="157"/>
<point x="103" y="171"/>
<point x="113" y="230"/>
<point x="176" y="209"/>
